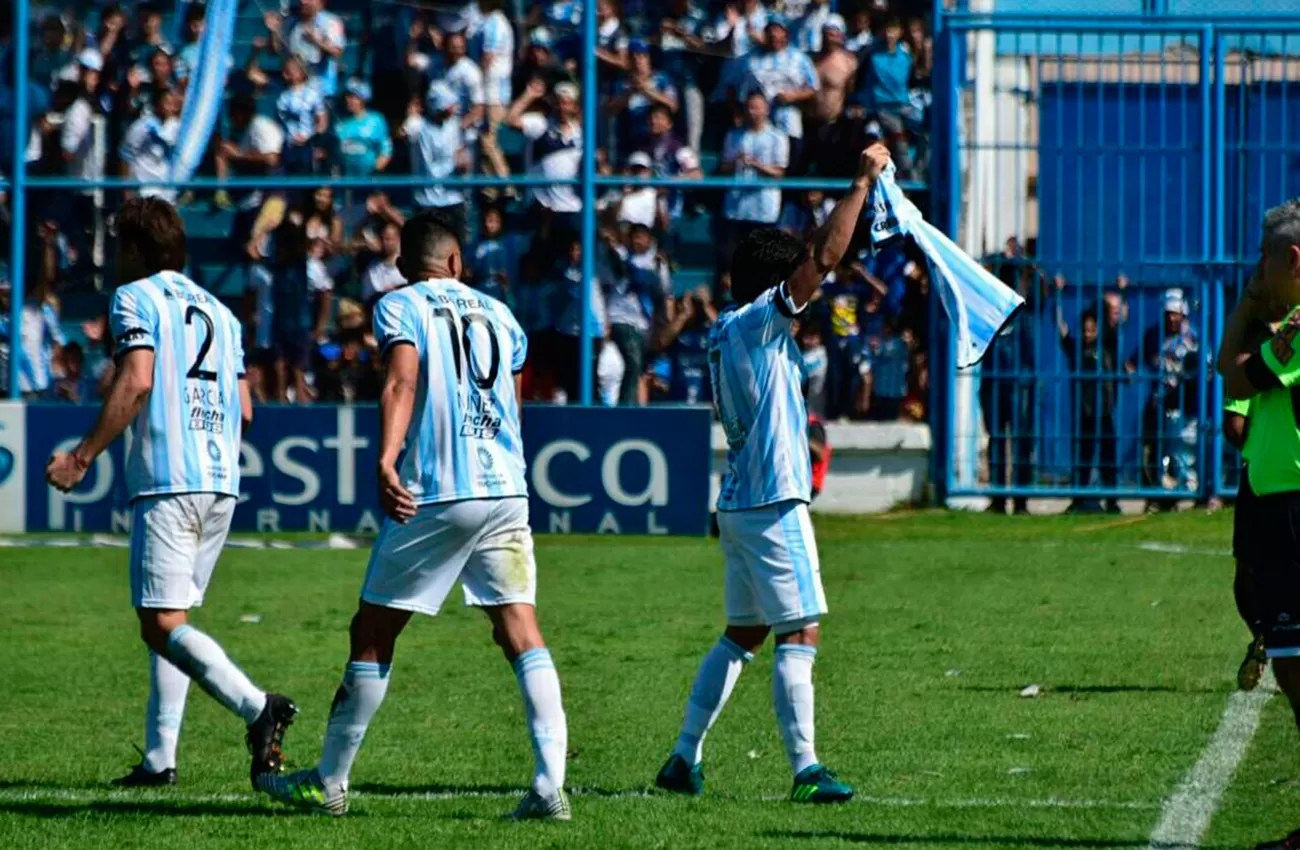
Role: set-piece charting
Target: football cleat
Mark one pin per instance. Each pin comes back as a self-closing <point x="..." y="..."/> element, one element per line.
<point x="818" y="784"/>
<point x="266" y="736"/>
<point x="142" y="777"/>
<point x="304" y="789"/>
<point x="536" y="807"/>
<point x="1252" y="666"/>
<point x="1291" y="842"/>
<point x="680" y="778"/>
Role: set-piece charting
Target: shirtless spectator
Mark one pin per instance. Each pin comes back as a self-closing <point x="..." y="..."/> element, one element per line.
<point x="830" y="130"/>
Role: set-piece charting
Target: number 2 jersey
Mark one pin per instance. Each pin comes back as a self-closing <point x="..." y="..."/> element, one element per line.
<point x="186" y="436"/>
<point x="464" y="439"/>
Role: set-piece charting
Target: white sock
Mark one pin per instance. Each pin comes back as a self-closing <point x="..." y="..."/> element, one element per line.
<point x="204" y="661"/>
<point x="792" y="697"/>
<point x="713" y="685"/>
<point x="162" y="720"/>
<point x="355" y="703"/>
<point x="544" y="710"/>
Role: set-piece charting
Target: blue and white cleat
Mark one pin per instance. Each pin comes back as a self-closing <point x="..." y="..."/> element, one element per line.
<point x="304" y="790"/>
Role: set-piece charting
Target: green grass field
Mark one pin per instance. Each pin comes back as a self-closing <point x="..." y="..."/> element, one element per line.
<point x="937" y="622"/>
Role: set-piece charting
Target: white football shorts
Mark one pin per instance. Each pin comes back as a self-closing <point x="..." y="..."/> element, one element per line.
<point x="175" y="542"/>
<point x="773" y="577"/>
<point x="485" y="543"/>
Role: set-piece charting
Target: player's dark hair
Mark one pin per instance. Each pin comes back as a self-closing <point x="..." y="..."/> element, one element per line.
<point x="154" y="229"/>
<point x="762" y="260"/>
<point x="426" y="236"/>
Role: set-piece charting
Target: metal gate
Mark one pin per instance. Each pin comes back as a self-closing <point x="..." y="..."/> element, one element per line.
<point x="1116" y="172"/>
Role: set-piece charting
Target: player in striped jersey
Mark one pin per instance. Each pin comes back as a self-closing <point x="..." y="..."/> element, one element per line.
<point x="773" y="583"/>
<point x="180" y="377"/>
<point x="457" y="509"/>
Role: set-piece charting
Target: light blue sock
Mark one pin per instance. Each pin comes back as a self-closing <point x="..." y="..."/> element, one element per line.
<point x="168" y="686"/>
<point x="713" y="685"/>
<point x="792" y="698"/>
<point x="355" y="702"/>
<point x="547" y="726"/>
<point x="203" y="660"/>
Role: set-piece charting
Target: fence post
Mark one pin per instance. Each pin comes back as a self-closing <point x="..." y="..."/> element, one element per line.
<point x="1217" y="208"/>
<point x="941" y="148"/>
<point x="18" y="187"/>
<point x="589" y="119"/>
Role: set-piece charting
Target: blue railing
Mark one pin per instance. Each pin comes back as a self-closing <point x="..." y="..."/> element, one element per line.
<point x="1141" y="146"/>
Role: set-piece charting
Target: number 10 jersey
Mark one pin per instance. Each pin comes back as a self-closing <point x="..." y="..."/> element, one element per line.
<point x="186" y="437"/>
<point x="464" y="439"/>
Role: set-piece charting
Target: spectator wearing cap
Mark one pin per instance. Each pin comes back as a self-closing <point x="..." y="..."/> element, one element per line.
<point x="638" y="288"/>
<point x="494" y="48"/>
<point x="302" y="113"/>
<point x="316" y="37"/>
<point x="363" y="142"/>
<point x="1171" y="361"/>
<point x="54" y="51"/>
<point x="636" y="203"/>
<point x="786" y="76"/>
<point x="752" y="153"/>
<point x="885" y="93"/>
<point x="807" y="27"/>
<point x="681" y="43"/>
<point x="830" y="132"/>
<point x="437" y="152"/>
<point x="465" y="78"/>
<point x="77" y="143"/>
<point x="146" y="151"/>
<point x="540" y="62"/>
<point x="640" y="89"/>
<point x="554" y="150"/>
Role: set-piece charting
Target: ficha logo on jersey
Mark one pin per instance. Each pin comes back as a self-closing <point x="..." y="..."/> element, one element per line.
<point x="575" y="491"/>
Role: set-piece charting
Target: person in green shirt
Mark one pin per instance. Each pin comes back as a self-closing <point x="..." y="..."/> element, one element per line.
<point x="1269" y="376"/>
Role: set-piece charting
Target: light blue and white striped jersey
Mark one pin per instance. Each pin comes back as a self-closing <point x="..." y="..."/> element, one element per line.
<point x="757" y="375"/>
<point x="494" y="50"/>
<point x="770" y="147"/>
<point x="39" y="334"/>
<point x="774" y="72"/>
<point x="186" y="437"/>
<point x="464" y="441"/>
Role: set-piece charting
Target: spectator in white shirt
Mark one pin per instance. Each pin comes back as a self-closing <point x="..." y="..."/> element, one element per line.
<point x="316" y="37"/>
<point x="555" y="151"/>
<point x="253" y="151"/>
<point x="465" y="78"/>
<point x="77" y="142"/>
<point x="437" y="152"/>
<point x="494" y="48"/>
<point x="147" y="148"/>
<point x="636" y="203"/>
<point x="382" y="275"/>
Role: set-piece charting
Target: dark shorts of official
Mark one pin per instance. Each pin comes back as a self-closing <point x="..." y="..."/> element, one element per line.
<point x="1273" y="529"/>
<point x="1244" y="521"/>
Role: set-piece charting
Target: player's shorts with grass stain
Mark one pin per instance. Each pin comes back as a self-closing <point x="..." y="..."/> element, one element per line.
<point x="486" y="544"/>
<point x="773" y="576"/>
<point x="175" y="542"/>
<point x="1272" y="524"/>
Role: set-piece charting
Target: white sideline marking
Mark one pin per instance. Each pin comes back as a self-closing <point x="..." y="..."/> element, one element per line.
<point x="90" y="795"/>
<point x="1187" y="814"/>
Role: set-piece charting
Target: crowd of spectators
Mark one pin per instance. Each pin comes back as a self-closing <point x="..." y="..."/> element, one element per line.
<point x="747" y="88"/>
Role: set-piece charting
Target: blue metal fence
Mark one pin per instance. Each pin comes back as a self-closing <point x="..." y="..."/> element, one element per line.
<point x="1131" y="160"/>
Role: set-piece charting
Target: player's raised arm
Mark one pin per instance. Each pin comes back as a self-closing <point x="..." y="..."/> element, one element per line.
<point x="831" y="240"/>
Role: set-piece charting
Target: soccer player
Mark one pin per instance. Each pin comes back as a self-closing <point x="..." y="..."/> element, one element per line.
<point x="772" y="580"/>
<point x="180" y="380"/>
<point x="457" y="509"/>
<point x="1269" y="375"/>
